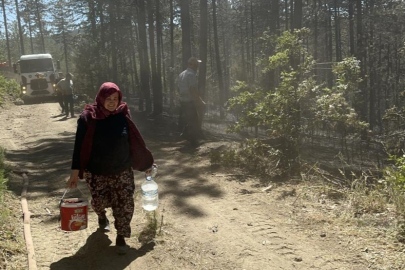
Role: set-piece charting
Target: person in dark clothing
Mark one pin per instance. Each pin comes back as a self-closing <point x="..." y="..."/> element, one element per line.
<point x="66" y="85"/>
<point x="59" y="94"/>
<point x="108" y="147"/>
<point x="191" y="104"/>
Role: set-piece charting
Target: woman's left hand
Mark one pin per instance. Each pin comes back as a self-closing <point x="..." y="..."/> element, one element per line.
<point x="149" y="171"/>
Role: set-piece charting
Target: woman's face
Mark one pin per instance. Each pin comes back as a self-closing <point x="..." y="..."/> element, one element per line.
<point x="111" y="103"/>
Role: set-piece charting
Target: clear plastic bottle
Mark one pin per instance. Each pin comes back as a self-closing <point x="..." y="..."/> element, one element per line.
<point x="150" y="196"/>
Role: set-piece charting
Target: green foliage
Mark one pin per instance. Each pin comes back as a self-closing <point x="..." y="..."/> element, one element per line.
<point x="243" y="106"/>
<point x="279" y="110"/>
<point x="394" y="178"/>
<point x="347" y="75"/>
<point x="394" y="122"/>
<point x="3" y="180"/>
<point x="333" y="111"/>
<point x="394" y="119"/>
<point x="8" y="88"/>
<point x="298" y="103"/>
<point x="276" y="110"/>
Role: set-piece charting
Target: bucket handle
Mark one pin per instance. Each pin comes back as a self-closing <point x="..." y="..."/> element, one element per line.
<point x="66" y="191"/>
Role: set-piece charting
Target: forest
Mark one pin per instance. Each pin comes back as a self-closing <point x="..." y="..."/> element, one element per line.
<point x="325" y="75"/>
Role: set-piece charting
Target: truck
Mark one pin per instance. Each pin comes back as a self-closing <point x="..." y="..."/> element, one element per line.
<point x="37" y="76"/>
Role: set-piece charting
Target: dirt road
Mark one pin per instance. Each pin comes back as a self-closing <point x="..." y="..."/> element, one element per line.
<point x="211" y="219"/>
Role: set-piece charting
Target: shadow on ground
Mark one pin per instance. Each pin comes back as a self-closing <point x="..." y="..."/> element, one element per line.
<point x="47" y="163"/>
<point x="98" y="254"/>
<point x="170" y="149"/>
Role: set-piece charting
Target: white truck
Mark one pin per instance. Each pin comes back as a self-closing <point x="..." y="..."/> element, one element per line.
<point x="37" y="75"/>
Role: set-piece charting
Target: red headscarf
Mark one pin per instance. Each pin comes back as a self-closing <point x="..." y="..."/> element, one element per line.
<point x="141" y="156"/>
<point x="97" y="110"/>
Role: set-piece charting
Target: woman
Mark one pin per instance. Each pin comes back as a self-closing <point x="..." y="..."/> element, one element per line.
<point x="108" y="147"/>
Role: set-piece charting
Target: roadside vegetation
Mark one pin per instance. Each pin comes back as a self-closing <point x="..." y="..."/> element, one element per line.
<point x="11" y="242"/>
<point x="9" y="90"/>
<point x="313" y="136"/>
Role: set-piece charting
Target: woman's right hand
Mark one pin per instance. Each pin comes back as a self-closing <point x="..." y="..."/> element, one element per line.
<point x="73" y="179"/>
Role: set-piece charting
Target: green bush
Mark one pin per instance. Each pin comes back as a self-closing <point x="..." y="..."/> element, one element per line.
<point x="8" y="87"/>
<point x="394" y="177"/>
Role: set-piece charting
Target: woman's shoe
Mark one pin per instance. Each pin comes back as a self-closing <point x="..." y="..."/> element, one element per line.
<point x="122" y="246"/>
<point x="104" y="224"/>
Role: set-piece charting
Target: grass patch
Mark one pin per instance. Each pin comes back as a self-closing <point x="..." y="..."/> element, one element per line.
<point x="11" y="242"/>
<point x="149" y="232"/>
<point x="9" y="88"/>
<point x="3" y="179"/>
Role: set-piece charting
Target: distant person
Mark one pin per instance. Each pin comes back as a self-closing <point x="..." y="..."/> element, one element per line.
<point x="59" y="94"/>
<point x="191" y="104"/>
<point x="66" y="85"/>
<point x="108" y="147"/>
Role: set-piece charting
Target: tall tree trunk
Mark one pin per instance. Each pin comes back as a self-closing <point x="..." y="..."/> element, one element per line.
<point x="351" y="27"/>
<point x="362" y="99"/>
<point x="359" y="30"/>
<point x="102" y="44"/>
<point x="252" y="40"/>
<point x="171" y="74"/>
<point x="227" y="49"/>
<point x="242" y="42"/>
<point x="297" y="23"/>
<point x="92" y="18"/>
<point x="102" y="32"/>
<point x="140" y="55"/>
<point x="373" y="75"/>
<point x="145" y="71"/>
<point x="316" y="31"/>
<point x="131" y="70"/>
<point x="5" y="29"/>
<point x="218" y="61"/>
<point x="202" y="76"/>
<point x="156" y="89"/>
<point x="397" y="72"/>
<point x="133" y="49"/>
<point x="185" y="32"/>
<point x="378" y="88"/>
<point x="274" y="15"/>
<point x="41" y="31"/>
<point x="337" y="32"/>
<point x="248" y="58"/>
<point x="296" y="144"/>
<point x="65" y="45"/>
<point x="330" y="47"/>
<point x="286" y="15"/>
<point x="387" y="78"/>
<point x="30" y="30"/>
<point x="159" y="36"/>
<point x="113" y="30"/>
<point x="292" y="15"/>
<point x="274" y="30"/>
<point x="164" y="71"/>
<point x="20" y="30"/>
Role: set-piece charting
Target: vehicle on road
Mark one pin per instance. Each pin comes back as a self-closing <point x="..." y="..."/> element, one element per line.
<point x="36" y="75"/>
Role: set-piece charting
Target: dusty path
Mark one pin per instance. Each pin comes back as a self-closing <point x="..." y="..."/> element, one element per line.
<point x="211" y="220"/>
